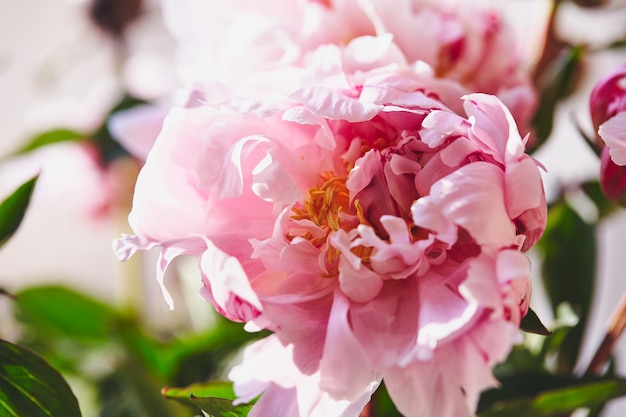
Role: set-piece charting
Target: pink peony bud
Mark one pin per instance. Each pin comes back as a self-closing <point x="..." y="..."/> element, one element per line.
<point x="608" y="114"/>
<point x="612" y="179"/>
<point x="608" y="97"/>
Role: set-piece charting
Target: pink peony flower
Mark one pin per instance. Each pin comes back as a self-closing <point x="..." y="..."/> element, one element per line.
<point x="231" y="41"/>
<point x="375" y="230"/>
<point x="239" y="42"/>
<point x="608" y="114"/>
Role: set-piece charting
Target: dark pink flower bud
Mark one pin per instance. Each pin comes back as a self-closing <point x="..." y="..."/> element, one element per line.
<point x="608" y="114"/>
<point x="612" y="179"/>
<point x="608" y="97"/>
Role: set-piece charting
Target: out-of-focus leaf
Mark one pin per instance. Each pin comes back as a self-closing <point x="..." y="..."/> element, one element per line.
<point x="13" y="209"/>
<point x="521" y="361"/>
<point x="132" y="390"/>
<point x="593" y="143"/>
<point x="568" y="247"/>
<point x="49" y="138"/>
<point x="185" y="360"/>
<point x="147" y="390"/>
<point x="532" y="324"/>
<point x="566" y="398"/>
<point x="66" y="312"/>
<point x="213" y="397"/>
<point x="29" y="386"/>
<point x="617" y="44"/>
<point x="555" y="85"/>
<point x="594" y="192"/>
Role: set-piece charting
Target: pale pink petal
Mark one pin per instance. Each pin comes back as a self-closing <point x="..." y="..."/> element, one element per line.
<point x="461" y="196"/>
<point x="166" y="205"/>
<point x="478" y="287"/>
<point x="457" y="373"/>
<point x="439" y="125"/>
<point x="228" y="285"/>
<point x="333" y="105"/>
<point x="258" y="369"/>
<point x="137" y="128"/>
<point x="344" y="369"/>
<point x="524" y="189"/>
<point x="366" y="52"/>
<point x="355" y="280"/>
<point x="267" y="366"/>
<point x="444" y="313"/>
<point x="497" y="123"/>
<point x="613" y="133"/>
<point x="363" y="172"/>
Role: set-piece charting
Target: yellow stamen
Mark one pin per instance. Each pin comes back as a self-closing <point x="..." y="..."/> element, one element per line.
<point x="329" y="208"/>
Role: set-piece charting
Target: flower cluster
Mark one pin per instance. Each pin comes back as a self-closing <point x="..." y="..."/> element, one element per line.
<point x="364" y="206"/>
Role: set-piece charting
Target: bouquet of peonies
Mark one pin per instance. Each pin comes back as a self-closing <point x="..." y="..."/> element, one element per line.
<point x="353" y="179"/>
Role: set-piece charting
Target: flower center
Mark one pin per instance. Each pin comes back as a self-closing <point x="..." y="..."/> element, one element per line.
<point x="329" y="207"/>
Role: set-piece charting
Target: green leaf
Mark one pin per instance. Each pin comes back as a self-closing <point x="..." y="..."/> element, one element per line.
<point x="532" y="324"/>
<point x="568" y="247"/>
<point x="146" y="389"/>
<point x="217" y="389"/>
<point x="214" y="397"/>
<point x="555" y="402"/>
<point x="521" y="361"/>
<point x="382" y="405"/>
<point x="13" y="208"/>
<point x="188" y="358"/>
<point x="219" y="407"/>
<point x="594" y="192"/>
<point x="49" y="138"/>
<point x="29" y="386"/>
<point x="555" y="85"/>
<point x="63" y="311"/>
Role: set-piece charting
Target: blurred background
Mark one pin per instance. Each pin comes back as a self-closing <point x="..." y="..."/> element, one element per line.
<point x="63" y="64"/>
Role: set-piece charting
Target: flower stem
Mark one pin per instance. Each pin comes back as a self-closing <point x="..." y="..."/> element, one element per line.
<point x="551" y="48"/>
<point x="617" y="324"/>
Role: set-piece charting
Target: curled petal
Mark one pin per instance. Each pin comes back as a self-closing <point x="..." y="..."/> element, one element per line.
<point x="471" y="197"/>
<point x="356" y="281"/>
<point x="227" y="285"/>
<point x="494" y="126"/>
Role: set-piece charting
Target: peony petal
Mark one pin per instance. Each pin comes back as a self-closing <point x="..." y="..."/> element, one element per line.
<point x="137" y="128"/>
<point x="345" y="373"/>
<point x="457" y="373"/>
<point x="473" y="198"/>
<point x="355" y="280"/>
<point x="524" y="188"/>
<point x="497" y="123"/>
<point x="613" y="133"/>
<point x="443" y="313"/>
<point x="228" y="285"/>
<point x="333" y="105"/>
